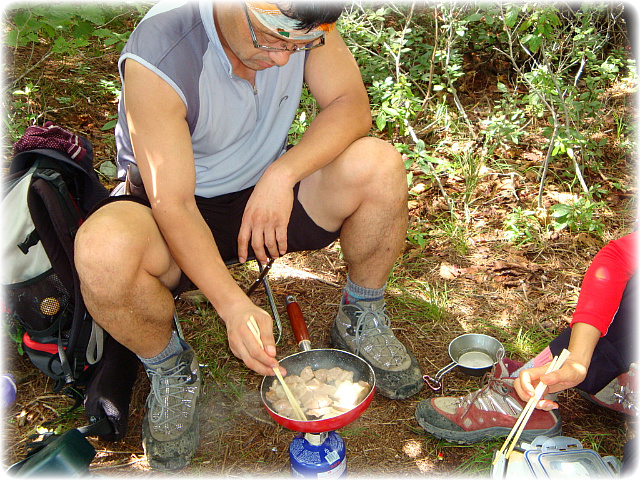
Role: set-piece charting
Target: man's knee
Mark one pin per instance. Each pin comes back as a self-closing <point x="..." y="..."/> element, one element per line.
<point x="96" y="253"/>
<point x="378" y="158"/>
<point x="378" y="167"/>
<point x="106" y="248"/>
<point x="376" y="148"/>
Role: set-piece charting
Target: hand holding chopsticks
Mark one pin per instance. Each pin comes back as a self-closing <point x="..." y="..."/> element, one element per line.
<point x="253" y="326"/>
<point x="518" y="428"/>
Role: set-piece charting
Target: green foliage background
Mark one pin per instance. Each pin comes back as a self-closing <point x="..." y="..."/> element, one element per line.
<point x="546" y="68"/>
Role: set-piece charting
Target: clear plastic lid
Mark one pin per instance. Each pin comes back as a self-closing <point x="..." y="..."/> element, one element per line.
<point x="581" y="463"/>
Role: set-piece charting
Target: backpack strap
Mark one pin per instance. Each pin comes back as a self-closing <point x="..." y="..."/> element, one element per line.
<point x="96" y="344"/>
<point x="58" y="219"/>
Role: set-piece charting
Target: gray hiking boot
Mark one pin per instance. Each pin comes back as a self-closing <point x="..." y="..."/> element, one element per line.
<point x="363" y="328"/>
<point x="170" y="432"/>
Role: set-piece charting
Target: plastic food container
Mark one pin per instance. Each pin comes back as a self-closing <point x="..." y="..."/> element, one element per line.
<point x="555" y="457"/>
<point x="582" y="463"/>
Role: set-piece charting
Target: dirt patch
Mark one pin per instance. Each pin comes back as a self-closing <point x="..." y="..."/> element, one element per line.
<point x="238" y="437"/>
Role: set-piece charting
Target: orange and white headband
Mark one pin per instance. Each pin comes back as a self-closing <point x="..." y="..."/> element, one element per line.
<point x="269" y="15"/>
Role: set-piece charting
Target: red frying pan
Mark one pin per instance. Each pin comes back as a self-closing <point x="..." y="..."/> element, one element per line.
<point x="316" y="359"/>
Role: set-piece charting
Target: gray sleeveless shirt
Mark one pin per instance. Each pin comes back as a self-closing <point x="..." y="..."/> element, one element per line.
<point x="236" y="130"/>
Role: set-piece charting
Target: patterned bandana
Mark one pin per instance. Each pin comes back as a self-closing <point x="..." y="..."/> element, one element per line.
<point x="270" y="16"/>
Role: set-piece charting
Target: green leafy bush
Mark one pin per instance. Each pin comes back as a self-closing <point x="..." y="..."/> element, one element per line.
<point x="65" y="27"/>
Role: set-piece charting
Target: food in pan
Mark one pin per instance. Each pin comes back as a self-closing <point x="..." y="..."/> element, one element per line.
<point x="322" y="393"/>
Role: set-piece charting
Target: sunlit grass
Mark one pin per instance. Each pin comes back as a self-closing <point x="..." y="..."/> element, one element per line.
<point x="529" y="342"/>
<point x="479" y="464"/>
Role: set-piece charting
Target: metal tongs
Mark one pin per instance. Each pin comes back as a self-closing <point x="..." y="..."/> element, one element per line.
<point x="262" y="278"/>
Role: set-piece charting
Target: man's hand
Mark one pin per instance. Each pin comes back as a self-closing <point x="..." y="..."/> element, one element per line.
<point x="265" y="219"/>
<point x="569" y="375"/>
<point x="244" y="345"/>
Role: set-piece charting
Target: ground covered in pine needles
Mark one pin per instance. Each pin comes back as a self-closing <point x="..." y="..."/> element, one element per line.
<point x="464" y="276"/>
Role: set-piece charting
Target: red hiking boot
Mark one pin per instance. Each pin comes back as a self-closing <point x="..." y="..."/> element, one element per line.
<point x="620" y="394"/>
<point x="487" y="413"/>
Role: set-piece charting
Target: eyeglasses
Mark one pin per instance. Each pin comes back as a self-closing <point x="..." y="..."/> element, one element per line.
<point x="293" y="49"/>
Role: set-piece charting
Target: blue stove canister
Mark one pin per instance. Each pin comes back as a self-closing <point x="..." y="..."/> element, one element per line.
<point x="318" y="455"/>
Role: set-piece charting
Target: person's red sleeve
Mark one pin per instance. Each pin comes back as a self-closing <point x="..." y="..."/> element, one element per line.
<point x="605" y="281"/>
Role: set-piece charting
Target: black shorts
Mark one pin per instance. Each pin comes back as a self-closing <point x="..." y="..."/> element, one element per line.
<point x="223" y="214"/>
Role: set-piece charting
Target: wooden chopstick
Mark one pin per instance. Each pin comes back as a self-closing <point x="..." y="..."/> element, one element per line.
<point x="253" y="326"/>
<point x="527" y="407"/>
<point x="539" y="391"/>
<point x="526" y="413"/>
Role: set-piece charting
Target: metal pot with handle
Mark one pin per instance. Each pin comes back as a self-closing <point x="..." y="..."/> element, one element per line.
<point x="474" y="354"/>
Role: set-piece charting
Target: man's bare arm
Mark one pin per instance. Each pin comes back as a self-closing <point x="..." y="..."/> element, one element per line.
<point x="162" y="147"/>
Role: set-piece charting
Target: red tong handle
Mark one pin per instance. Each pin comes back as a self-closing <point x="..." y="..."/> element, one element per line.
<point x="298" y="323"/>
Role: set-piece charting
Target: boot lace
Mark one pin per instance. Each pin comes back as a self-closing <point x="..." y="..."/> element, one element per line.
<point x="174" y="397"/>
<point x="373" y="334"/>
<point x="493" y="397"/>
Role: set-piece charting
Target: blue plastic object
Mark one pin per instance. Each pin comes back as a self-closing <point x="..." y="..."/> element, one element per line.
<point x="321" y="455"/>
<point x="7" y="390"/>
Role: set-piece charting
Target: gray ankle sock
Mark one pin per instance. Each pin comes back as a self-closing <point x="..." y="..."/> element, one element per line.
<point x="355" y="293"/>
<point x="526" y="366"/>
<point x="173" y="348"/>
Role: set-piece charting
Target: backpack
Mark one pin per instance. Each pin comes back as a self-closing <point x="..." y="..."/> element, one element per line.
<point x="48" y="192"/>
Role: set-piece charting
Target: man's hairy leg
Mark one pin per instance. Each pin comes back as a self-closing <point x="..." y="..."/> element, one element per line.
<point x="364" y="192"/>
<point x="126" y="272"/>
